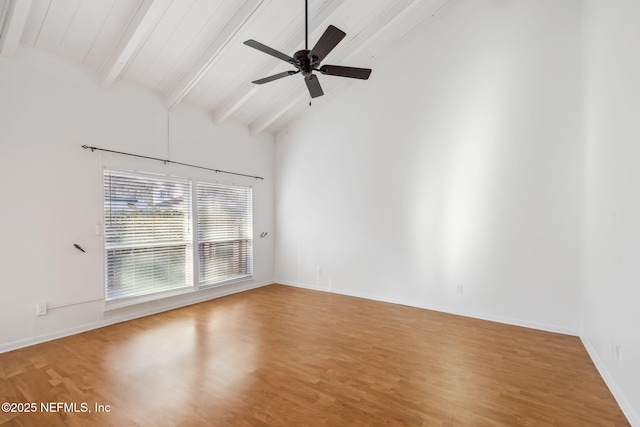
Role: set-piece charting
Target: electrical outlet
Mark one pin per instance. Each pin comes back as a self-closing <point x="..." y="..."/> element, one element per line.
<point x="460" y="289"/>
<point x="41" y="309"/>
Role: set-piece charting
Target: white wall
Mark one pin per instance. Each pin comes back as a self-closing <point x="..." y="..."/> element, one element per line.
<point x="611" y="256"/>
<point x="457" y="163"/>
<point x="51" y="188"/>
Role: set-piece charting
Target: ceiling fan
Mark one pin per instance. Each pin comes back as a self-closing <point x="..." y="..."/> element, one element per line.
<point x="306" y="61"/>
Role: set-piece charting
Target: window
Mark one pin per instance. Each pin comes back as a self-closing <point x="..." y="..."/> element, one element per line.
<point x="149" y="243"/>
<point x="224" y="232"/>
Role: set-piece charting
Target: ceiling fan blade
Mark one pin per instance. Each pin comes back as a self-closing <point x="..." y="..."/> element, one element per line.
<point x="275" y="77"/>
<point x="269" y="51"/>
<point x="313" y="84"/>
<point x="330" y="39"/>
<point x="351" y="72"/>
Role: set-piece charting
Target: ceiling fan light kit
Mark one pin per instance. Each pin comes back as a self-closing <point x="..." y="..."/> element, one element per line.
<point x="307" y="61"/>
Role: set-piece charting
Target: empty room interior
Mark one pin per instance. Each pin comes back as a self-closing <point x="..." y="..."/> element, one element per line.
<point x="331" y="212"/>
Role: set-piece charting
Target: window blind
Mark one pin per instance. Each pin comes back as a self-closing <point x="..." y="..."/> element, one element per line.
<point x="147" y="234"/>
<point x="225" y="231"/>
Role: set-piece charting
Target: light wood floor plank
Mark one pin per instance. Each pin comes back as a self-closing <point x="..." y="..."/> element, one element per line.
<point x="281" y="356"/>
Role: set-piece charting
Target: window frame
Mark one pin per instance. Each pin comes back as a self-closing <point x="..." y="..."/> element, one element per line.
<point x="195" y="284"/>
<point x="248" y="237"/>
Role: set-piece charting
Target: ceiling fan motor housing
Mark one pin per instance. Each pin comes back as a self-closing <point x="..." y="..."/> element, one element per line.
<point x="303" y="63"/>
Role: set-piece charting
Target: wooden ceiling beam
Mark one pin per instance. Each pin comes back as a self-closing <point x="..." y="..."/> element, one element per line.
<point x="140" y="27"/>
<point x="14" y="21"/>
<point x="243" y="16"/>
<point x="248" y="89"/>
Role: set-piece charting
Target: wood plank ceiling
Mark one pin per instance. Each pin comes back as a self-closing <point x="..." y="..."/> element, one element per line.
<point x="191" y="50"/>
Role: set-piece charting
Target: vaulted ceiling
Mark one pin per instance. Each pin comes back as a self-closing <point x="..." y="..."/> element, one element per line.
<point x="192" y="51"/>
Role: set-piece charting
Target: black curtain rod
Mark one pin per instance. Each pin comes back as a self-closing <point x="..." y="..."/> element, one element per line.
<point x="86" y="147"/>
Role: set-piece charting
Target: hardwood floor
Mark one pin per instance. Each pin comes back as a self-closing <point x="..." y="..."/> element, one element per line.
<point x="281" y="356"/>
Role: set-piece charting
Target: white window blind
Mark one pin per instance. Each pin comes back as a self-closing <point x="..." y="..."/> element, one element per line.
<point x="148" y="239"/>
<point x="225" y="231"/>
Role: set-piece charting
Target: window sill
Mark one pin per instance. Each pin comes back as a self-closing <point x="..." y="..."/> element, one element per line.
<point x="226" y="282"/>
<point x="132" y="301"/>
<point x="161" y="296"/>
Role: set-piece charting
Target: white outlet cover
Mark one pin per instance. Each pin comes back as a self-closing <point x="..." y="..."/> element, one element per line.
<point x="41" y="309"/>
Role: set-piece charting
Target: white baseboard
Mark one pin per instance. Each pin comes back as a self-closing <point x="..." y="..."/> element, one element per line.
<point x="133" y="312"/>
<point x="624" y="404"/>
<point x="449" y="310"/>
